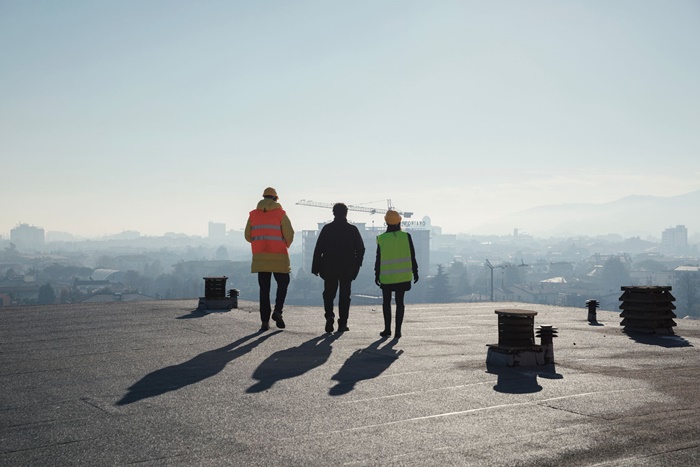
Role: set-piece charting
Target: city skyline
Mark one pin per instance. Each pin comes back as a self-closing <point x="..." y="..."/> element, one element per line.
<point x="162" y="116"/>
<point x="644" y="217"/>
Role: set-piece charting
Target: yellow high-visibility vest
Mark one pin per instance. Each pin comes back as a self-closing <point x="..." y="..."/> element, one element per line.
<point x="395" y="263"/>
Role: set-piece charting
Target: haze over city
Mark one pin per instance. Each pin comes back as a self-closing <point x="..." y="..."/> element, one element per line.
<point x="161" y="116"/>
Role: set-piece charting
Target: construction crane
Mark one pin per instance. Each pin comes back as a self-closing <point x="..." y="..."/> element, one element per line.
<point x="352" y="207"/>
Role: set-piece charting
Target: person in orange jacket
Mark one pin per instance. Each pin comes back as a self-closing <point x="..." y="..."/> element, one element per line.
<point x="270" y="233"/>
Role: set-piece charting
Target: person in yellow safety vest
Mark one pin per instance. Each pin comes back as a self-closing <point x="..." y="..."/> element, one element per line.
<point x="270" y="233"/>
<point x="394" y="268"/>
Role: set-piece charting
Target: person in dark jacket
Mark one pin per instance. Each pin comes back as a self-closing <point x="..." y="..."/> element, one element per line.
<point x="337" y="259"/>
<point x="394" y="268"/>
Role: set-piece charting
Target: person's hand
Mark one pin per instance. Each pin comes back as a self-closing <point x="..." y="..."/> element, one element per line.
<point x="376" y="281"/>
<point x="415" y="278"/>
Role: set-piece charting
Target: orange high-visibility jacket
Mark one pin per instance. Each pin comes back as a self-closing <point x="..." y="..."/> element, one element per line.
<point x="270" y="233"/>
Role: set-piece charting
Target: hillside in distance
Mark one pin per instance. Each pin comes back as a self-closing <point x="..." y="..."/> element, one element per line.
<point x="643" y="216"/>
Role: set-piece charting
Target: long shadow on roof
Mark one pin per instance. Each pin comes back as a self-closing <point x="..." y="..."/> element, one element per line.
<point x="364" y="364"/>
<point x="292" y="362"/>
<point x="201" y="367"/>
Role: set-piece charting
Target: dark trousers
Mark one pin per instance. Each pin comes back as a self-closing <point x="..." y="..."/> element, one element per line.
<point x="330" y="288"/>
<point x="264" y="281"/>
<point x="386" y="309"/>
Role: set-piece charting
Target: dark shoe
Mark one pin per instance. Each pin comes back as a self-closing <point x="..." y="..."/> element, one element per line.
<point x="265" y="326"/>
<point x="342" y="328"/>
<point x="397" y="335"/>
<point x="385" y="333"/>
<point x="277" y="318"/>
<point x="329" y="326"/>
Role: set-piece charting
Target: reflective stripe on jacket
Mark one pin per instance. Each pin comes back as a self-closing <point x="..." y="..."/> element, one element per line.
<point x="395" y="265"/>
<point x="267" y="240"/>
<point x="266" y="231"/>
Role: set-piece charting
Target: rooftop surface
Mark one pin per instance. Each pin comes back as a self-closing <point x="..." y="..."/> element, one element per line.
<point x="158" y="383"/>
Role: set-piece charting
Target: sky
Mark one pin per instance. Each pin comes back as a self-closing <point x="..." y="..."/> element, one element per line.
<point x="162" y="115"/>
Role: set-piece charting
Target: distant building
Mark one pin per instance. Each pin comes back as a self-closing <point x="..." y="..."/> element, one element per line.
<point x="444" y="242"/>
<point x="5" y="300"/>
<point x="138" y="263"/>
<point x="651" y="278"/>
<point x="561" y="268"/>
<point x="125" y="235"/>
<point x="217" y="231"/>
<point x="27" y="237"/>
<point x="117" y="297"/>
<point x="686" y="289"/>
<point x="108" y="275"/>
<point x="59" y="237"/>
<point x="100" y="279"/>
<point x="17" y="289"/>
<point x="674" y="240"/>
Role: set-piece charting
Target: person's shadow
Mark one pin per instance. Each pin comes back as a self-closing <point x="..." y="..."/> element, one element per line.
<point x="292" y="362"/>
<point x="199" y="368"/>
<point x="364" y="364"/>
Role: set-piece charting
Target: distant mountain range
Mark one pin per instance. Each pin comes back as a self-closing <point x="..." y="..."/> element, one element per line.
<point x="643" y="216"/>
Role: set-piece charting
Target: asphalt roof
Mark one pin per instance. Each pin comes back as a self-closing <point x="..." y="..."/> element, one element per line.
<point x="159" y="383"/>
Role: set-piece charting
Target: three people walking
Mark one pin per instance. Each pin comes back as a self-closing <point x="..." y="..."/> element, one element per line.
<point x="337" y="259"/>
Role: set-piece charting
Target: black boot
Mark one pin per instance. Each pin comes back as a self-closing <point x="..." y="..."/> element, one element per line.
<point x="387" y="324"/>
<point x="399" y="322"/>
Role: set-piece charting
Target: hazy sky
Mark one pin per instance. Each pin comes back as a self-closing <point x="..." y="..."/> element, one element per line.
<point x="160" y="116"/>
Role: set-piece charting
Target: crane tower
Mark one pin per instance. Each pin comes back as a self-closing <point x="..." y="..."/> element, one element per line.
<point x="352" y="207"/>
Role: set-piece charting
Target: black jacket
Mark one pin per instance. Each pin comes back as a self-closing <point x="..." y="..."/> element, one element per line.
<point x="339" y="251"/>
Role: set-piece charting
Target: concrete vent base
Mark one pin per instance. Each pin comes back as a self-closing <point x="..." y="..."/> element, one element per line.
<point x="498" y="356"/>
<point x="225" y="303"/>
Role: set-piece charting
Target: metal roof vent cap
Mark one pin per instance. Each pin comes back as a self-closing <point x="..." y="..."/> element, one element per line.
<point x="592" y="305"/>
<point x="547" y="333"/>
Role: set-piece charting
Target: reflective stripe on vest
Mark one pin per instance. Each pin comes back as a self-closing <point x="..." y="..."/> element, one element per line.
<point x="395" y="264"/>
<point x="266" y="231"/>
<point x="277" y="229"/>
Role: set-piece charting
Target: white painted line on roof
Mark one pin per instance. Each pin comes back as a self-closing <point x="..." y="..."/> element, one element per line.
<point x="416" y="392"/>
<point x="482" y="409"/>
